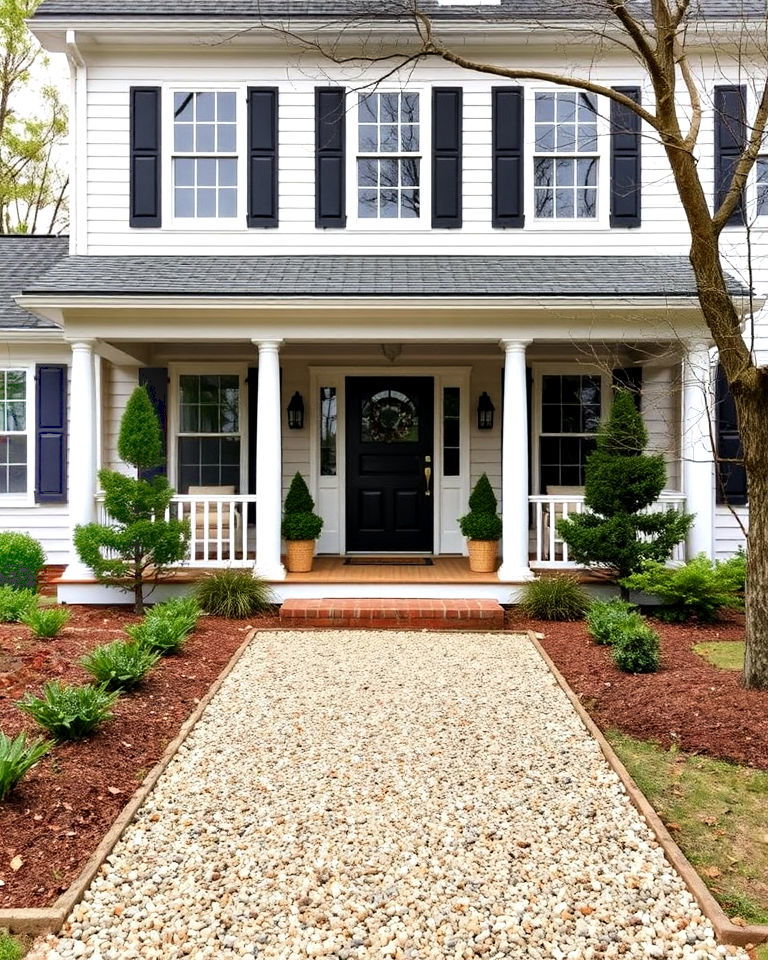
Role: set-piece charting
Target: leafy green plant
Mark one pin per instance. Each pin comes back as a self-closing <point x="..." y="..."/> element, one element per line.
<point x="558" y="597"/>
<point x="605" y="618"/>
<point x="300" y="522"/>
<point x="16" y="758"/>
<point x="10" y="948"/>
<point x="70" y="712"/>
<point x="699" y="589"/>
<point x="182" y="611"/>
<point x="120" y="665"/>
<point x="635" y="648"/>
<point x="160" y="634"/>
<point x="21" y="560"/>
<point x="46" y="621"/>
<point x="482" y="522"/>
<point x="233" y="593"/>
<point x="15" y="604"/>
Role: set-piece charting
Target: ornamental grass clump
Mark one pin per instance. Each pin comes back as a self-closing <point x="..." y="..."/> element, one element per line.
<point x="300" y="522"/>
<point x="635" y="648"/>
<point x="70" y="712"/>
<point x="120" y="665"/>
<point x="233" y="593"/>
<point x="17" y="756"/>
<point x="46" y="621"/>
<point x="606" y="619"/>
<point x="21" y="560"/>
<point x="558" y="597"/>
<point x="16" y="604"/>
<point x="161" y="635"/>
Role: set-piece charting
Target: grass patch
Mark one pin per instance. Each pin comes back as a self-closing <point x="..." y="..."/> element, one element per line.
<point x="716" y="813"/>
<point x="10" y="947"/>
<point x="726" y="654"/>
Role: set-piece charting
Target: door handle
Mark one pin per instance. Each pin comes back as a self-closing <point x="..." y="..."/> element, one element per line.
<point x="428" y="476"/>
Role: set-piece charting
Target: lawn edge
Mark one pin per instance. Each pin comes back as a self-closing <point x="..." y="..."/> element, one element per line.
<point x="725" y="931"/>
<point x="36" y="921"/>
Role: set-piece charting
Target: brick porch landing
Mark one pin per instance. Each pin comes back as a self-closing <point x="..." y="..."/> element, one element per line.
<point x="399" y="613"/>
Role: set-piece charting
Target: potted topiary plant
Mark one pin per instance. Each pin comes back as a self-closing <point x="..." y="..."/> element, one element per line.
<point x="482" y="527"/>
<point x="301" y="526"/>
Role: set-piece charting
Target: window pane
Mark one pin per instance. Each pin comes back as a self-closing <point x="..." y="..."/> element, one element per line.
<point x="564" y="172"/>
<point x="205" y="107"/>
<point x="17" y="479"/>
<point x="389" y="173"/>
<point x="566" y="106"/>
<point x="368" y="138"/>
<point x="205" y="138"/>
<point x="206" y="203"/>
<point x="227" y="138"/>
<point x="182" y="137"/>
<point x="184" y="172"/>
<point x="587" y="106"/>
<point x="564" y="203"/>
<point x="227" y="173"/>
<point x="15" y="415"/>
<point x="409" y="203"/>
<point x="16" y="385"/>
<point x="544" y="201"/>
<point x="367" y="107"/>
<point x="389" y="107"/>
<point x="225" y="107"/>
<point x="367" y="173"/>
<point x="566" y="138"/>
<point x="206" y="173"/>
<point x="586" y="172"/>
<point x="586" y="205"/>
<point x="367" y="203"/>
<point x="388" y="139"/>
<point x="545" y="138"/>
<point x="409" y="107"/>
<point x="410" y="138"/>
<point x="228" y="203"/>
<point x="328" y="425"/>
<point x="182" y="107"/>
<point x="388" y="203"/>
<point x="545" y="107"/>
<point x="543" y="173"/>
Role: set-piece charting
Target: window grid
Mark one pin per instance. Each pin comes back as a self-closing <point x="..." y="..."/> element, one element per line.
<point x="328" y="429"/>
<point x="571" y="408"/>
<point x="761" y="168"/>
<point x="565" y="175"/>
<point x="13" y="431"/>
<point x="451" y="431"/>
<point x="388" y="161"/>
<point x="209" y="437"/>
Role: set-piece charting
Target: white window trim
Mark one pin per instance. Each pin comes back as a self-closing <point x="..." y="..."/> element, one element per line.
<point x="204" y="224"/>
<point x="424" y="221"/>
<point x="602" y="220"/>
<point x="27" y="498"/>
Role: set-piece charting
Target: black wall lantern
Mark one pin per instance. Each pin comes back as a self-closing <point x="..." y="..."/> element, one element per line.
<point x="485" y="409"/>
<point x="296" y="412"/>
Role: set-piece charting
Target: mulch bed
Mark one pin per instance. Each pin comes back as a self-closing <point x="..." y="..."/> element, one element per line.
<point x="689" y="702"/>
<point x="58" y="814"/>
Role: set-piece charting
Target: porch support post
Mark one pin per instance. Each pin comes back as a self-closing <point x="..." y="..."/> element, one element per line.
<point x="269" y="480"/>
<point x="83" y="453"/>
<point x="514" y="465"/>
<point x="696" y="446"/>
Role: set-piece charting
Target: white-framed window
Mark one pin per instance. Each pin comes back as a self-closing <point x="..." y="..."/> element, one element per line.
<point x="761" y="187"/>
<point x="210" y="434"/>
<point x="566" y="158"/>
<point x="205" y="158"/>
<point x="14" y="432"/>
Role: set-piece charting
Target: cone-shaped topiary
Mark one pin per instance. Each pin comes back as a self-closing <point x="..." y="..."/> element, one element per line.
<point x="140" y="441"/>
<point x="621" y="480"/>
<point x="300" y="522"/>
<point x="298" y="499"/>
<point x="482" y="522"/>
<point x="483" y="499"/>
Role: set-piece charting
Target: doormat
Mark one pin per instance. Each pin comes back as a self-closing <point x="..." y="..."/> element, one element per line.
<point x="388" y="562"/>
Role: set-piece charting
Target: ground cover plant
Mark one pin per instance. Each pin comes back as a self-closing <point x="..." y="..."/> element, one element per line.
<point x="120" y="665"/>
<point x="10" y="948"/>
<point x="559" y="597"/>
<point x="166" y="634"/>
<point x="233" y="593"/>
<point x="183" y="611"/>
<point x="21" y="560"/>
<point x="700" y="588"/>
<point x="635" y="647"/>
<point x="68" y="711"/>
<point x="606" y="617"/>
<point x="45" y="621"/>
<point x="15" y="604"/>
<point x="17" y="756"/>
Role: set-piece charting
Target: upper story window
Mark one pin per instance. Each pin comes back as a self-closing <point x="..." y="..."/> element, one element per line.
<point x="565" y="172"/>
<point x="13" y="431"/>
<point x="388" y="156"/>
<point x="205" y="155"/>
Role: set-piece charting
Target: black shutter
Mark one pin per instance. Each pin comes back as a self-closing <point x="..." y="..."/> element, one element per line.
<point x="630" y="378"/>
<point x="145" y="157"/>
<point x="507" y="150"/>
<point x="626" y="169"/>
<point x="446" y="156"/>
<point x="330" y="179"/>
<point x="155" y="379"/>
<point x="732" y="477"/>
<point x="730" y="140"/>
<point x="262" y="157"/>
<point x="51" y="433"/>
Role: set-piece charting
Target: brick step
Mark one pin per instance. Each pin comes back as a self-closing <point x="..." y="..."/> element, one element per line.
<point x="397" y="613"/>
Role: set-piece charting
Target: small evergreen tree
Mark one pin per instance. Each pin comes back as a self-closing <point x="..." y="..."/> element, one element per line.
<point x="621" y="480"/>
<point x="482" y="522"/>
<point x="300" y="522"/>
<point x="138" y="545"/>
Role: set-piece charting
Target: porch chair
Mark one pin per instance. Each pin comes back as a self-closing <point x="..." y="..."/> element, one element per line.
<point x="197" y="521"/>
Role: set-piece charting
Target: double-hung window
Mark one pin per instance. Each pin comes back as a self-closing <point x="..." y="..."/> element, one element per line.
<point x="209" y="434"/>
<point x="14" y="443"/>
<point x="566" y="156"/>
<point x="388" y="156"/>
<point x="761" y="176"/>
<point x="204" y="155"/>
<point x="571" y="408"/>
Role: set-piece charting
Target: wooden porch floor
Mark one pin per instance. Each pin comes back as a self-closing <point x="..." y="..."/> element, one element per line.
<point x="442" y="570"/>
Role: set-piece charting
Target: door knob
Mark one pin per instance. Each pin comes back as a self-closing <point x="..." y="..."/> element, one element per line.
<point x="428" y="476"/>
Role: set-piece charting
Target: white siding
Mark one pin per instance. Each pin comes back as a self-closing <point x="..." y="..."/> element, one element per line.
<point x="729" y="535"/>
<point x="117" y="385"/>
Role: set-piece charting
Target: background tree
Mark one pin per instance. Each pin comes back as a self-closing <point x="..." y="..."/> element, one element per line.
<point x="139" y="545"/>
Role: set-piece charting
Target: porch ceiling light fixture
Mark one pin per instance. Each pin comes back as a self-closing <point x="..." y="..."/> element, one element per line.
<point x="296" y="412"/>
<point x="485" y="411"/>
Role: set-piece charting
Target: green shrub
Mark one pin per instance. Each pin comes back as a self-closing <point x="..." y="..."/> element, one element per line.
<point x="16" y="757"/>
<point x="699" y="589"/>
<point x="555" y="598"/>
<point x="160" y="634"/>
<point x="46" y="621"/>
<point x="482" y="522"/>
<point x="21" y="560"/>
<point x="605" y="618"/>
<point x="70" y="712"/>
<point x="15" y="604"/>
<point x="636" y="648"/>
<point x="300" y="522"/>
<point x="182" y="611"/>
<point x="10" y="948"/>
<point x="233" y="593"/>
<point x="120" y="665"/>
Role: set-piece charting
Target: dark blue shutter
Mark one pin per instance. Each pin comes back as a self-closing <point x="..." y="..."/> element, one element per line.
<point x="507" y="157"/>
<point x="626" y="169"/>
<point x="145" y="157"/>
<point x="732" y="476"/>
<point x="630" y="378"/>
<point x="262" y="157"/>
<point x="446" y="156"/>
<point x="330" y="178"/>
<point x="730" y="141"/>
<point x="155" y="379"/>
<point x="51" y="433"/>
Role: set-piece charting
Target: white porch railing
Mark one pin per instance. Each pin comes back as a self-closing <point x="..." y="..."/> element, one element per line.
<point x="549" y="548"/>
<point x="218" y="525"/>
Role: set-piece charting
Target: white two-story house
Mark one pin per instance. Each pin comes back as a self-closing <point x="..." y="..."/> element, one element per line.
<point x="390" y="280"/>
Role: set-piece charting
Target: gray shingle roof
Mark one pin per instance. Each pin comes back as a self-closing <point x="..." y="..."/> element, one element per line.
<point x="388" y="276"/>
<point x="21" y="260"/>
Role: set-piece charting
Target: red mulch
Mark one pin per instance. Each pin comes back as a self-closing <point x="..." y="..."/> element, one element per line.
<point x="59" y="812"/>
<point x="689" y="702"/>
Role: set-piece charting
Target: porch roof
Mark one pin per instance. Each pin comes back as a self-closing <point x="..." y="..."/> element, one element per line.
<point x="369" y="276"/>
<point x="23" y="258"/>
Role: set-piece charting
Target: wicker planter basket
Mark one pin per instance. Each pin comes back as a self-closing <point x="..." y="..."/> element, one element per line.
<point x="299" y="555"/>
<point x="482" y="555"/>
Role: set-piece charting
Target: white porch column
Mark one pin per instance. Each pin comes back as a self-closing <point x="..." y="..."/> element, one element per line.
<point x="269" y="480"/>
<point x="514" y="465"/>
<point x="696" y="447"/>
<point x="83" y="453"/>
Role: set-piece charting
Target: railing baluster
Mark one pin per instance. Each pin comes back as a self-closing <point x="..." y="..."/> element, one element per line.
<point x="565" y="545"/>
<point x="539" y="519"/>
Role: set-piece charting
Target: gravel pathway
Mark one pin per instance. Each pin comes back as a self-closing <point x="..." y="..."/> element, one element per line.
<point x="377" y="795"/>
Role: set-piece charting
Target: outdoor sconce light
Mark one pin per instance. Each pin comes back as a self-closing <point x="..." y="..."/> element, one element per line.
<point x="296" y="412"/>
<point x="485" y="409"/>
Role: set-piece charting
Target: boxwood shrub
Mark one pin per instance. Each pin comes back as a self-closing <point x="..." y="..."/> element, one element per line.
<point x="636" y="648"/>
<point x="606" y="618"/>
<point x="21" y="560"/>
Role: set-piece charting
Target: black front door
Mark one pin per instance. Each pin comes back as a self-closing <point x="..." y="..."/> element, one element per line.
<point x="390" y="463"/>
